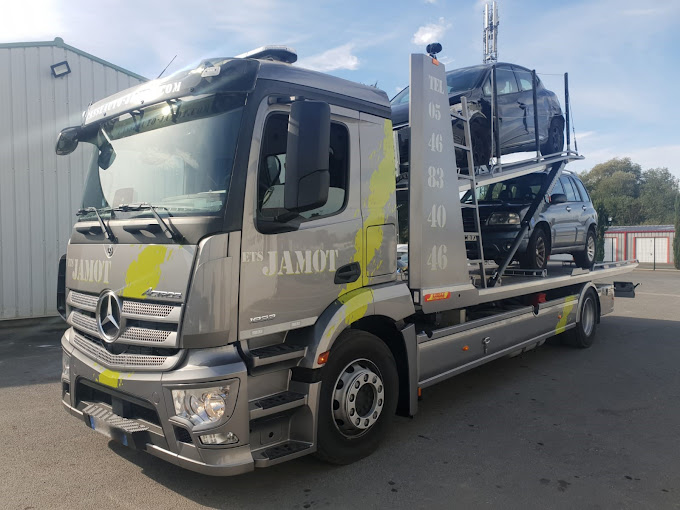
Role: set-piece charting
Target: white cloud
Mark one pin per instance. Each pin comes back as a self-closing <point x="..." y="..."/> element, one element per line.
<point x="30" y="20"/>
<point x="432" y="32"/>
<point x="431" y="1"/>
<point x="332" y="60"/>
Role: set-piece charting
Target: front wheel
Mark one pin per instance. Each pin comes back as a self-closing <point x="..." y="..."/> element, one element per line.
<point x="538" y="251"/>
<point x="586" y="258"/>
<point x="359" y="390"/>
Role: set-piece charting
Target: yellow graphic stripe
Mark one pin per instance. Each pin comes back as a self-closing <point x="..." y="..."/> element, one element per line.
<point x="354" y="306"/>
<point x="380" y="203"/>
<point x="569" y="303"/>
<point x="145" y="271"/>
<point x="382" y="192"/>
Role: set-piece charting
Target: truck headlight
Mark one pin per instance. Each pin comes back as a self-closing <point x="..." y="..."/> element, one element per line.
<point x="503" y="218"/>
<point x="65" y="366"/>
<point x="205" y="405"/>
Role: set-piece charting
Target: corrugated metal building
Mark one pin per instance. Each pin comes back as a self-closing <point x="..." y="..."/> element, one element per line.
<point x="647" y="243"/>
<point x="40" y="192"/>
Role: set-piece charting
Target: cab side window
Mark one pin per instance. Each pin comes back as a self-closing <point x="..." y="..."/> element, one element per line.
<point x="272" y="170"/>
<point x="569" y="189"/>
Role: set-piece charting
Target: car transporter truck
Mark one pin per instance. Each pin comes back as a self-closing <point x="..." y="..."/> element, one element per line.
<point x="231" y="284"/>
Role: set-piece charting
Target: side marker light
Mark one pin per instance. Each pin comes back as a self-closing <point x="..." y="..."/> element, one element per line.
<point x="323" y="358"/>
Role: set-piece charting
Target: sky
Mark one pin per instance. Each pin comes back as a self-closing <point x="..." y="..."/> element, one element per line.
<point x="622" y="56"/>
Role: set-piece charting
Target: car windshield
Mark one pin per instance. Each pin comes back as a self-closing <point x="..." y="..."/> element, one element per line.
<point x="521" y="189"/>
<point x="176" y="156"/>
<point x="456" y="81"/>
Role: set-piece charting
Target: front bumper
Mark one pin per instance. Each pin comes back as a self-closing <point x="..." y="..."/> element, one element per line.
<point x="496" y="244"/>
<point x="136" y="408"/>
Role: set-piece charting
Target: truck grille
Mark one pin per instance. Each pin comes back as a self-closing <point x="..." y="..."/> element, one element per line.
<point x="153" y="325"/>
<point x="145" y="358"/>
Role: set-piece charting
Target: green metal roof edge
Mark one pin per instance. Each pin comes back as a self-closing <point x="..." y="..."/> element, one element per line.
<point x="59" y="42"/>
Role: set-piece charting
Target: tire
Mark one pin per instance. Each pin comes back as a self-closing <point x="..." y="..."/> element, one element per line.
<point x="586" y="258"/>
<point x="356" y="358"/>
<point x="538" y="251"/>
<point x="481" y="143"/>
<point x="583" y="334"/>
<point x="481" y="147"/>
<point x="555" y="141"/>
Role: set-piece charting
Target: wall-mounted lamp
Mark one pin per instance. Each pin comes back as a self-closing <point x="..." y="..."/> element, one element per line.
<point x="60" y="69"/>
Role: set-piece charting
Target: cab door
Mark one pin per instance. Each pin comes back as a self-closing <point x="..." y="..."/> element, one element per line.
<point x="288" y="268"/>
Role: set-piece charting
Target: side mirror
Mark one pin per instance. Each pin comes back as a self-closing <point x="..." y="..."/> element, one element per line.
<point x="307" y="176"/>
<point x="106" y="156"/>
<point x="67" y="141"/>
<point x="558" y="198"/>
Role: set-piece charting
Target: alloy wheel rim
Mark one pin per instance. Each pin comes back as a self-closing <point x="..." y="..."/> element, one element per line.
<point x="588" y="316"/>
<point x="591" y="248"/>
<point x="358" y="398"/>
<point x="540" y="252"/>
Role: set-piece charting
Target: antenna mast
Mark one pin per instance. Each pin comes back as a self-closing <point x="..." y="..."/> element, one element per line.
<point x="490" y="42"/>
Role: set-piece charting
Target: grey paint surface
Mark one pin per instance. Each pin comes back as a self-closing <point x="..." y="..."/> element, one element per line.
<point x="438" y="264"/>
<point x="548" y="429"/>
<point x="39" y="191"/>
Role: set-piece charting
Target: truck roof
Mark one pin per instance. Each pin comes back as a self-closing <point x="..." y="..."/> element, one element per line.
<point x="242" y="74"/>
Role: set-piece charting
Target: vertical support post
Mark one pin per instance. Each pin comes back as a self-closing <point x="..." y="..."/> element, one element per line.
<point x="533" y="93"/>
<point x="654" y="253"/>
<point x="496" y="128"/>
<point x="566" y="108"/>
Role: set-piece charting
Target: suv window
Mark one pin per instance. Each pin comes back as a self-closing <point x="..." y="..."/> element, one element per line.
<point x="524" y="79"/>
<point x="505" y="81"/>
<point x="272" y="171"/>
<point x="582" y="189"/>
<point x="557" y="188"/>
<point x="568" y="189"/>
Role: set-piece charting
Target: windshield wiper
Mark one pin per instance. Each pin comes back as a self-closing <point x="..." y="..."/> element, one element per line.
<point x="107" y="231"/>
<point x="161" y="222"/>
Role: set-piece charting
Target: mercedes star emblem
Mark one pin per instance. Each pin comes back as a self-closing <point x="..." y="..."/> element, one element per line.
<point x="110" y="321"/>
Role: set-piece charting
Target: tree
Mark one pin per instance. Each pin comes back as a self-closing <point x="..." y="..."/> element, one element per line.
<point x="658" y="190"/>
<point x="676" y="239"/>
<point x="615" y="185"/>
<point x="631" y="196"/>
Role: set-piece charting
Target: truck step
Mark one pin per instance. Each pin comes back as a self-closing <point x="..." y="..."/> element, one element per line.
<point x="280" y="452"/>
<point x="275" y="354"/>
<point x="275" y="404"/>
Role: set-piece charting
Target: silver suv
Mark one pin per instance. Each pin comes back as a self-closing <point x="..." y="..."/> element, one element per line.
<point x="565" y="223"/>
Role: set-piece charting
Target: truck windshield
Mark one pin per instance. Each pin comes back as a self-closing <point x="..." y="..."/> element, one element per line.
<point x="177" y="155"/>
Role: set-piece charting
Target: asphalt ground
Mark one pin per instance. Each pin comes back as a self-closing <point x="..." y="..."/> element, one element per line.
<point x="553" y="428"/>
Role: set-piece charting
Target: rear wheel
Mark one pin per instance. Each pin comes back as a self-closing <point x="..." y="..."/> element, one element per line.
<point x="555" y="141"/>
<point x="586" y="258"/>
<point x="359" y="391"/>
<point x="583" y="334"/>
<point x="538" y="250"/>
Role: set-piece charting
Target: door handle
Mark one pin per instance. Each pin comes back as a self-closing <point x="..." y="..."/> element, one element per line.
<point x="584" y="207"/>
<point x="348" y="273"/>
<point x="568" y="209"/>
